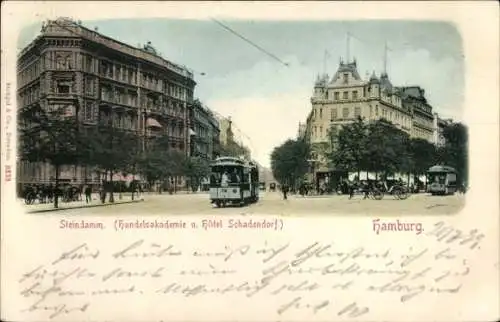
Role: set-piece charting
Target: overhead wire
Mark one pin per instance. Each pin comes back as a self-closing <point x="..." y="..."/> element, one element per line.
<point x="250" y="42"/>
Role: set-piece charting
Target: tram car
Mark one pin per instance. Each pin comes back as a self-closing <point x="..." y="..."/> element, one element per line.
<point x="234" y="181"/>
<point x="441" y="180"/>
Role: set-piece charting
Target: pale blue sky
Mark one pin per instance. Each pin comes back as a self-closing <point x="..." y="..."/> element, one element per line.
<point x="266" y="99"/>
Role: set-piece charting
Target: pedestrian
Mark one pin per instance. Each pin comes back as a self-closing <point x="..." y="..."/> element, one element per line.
<point x="102" y="193"/>
<point x="88" y="194"/>
<point x="284" y="189"/>
<point x="366" y="187"/>
<point x="352" y="186"/>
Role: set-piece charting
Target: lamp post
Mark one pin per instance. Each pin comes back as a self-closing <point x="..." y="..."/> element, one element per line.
<point x="312" y="166"/>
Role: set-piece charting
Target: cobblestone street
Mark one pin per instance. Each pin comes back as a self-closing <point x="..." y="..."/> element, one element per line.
<point x="273" y="203"/>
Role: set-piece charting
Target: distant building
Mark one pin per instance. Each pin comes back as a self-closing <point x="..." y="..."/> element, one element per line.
<point x="104" y="80"/>
<point x="228" y="142"/>
<point x="438" y="126"/>
<point x="204" y="131"/>
<point x="302" y="131"/>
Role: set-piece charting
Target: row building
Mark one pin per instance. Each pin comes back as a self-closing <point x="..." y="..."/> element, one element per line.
<point x="342" y="98"/>
<point x="100" y="79"/>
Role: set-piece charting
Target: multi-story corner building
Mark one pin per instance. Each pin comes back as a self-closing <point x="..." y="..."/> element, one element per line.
<point x="205" y="132"/>
<point x="101" y="79"/>
<point x="344" y="97"/>
<point x="341" y="99"/>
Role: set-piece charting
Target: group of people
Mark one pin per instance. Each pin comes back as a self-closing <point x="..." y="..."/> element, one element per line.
<point x="225" y="178"/>
<point x="45" y="193"/>
<point x="350" y="187"/>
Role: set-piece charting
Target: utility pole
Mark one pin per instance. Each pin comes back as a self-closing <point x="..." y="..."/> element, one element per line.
<point x="385" y="58"/>
<point x="324" y="61"/>
<point x="348" y="40"/>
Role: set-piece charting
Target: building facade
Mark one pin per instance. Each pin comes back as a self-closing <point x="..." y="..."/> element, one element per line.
<point x="204" y="131"/>
<point x="341" y="99"/>
<point x="228" y="143"/>
<point x="302" y="130"/>
<point x="422" y="117"/>
<point x="438" y="126"/>
<point x="345" y="97"/>
<point x="98" y="78"/>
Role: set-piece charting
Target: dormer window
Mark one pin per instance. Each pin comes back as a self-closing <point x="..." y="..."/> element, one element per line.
<point x="346" y="78"/>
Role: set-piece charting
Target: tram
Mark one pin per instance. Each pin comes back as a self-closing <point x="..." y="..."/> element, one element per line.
<point x="441" y="180"/>
<point x="234" y="181"/>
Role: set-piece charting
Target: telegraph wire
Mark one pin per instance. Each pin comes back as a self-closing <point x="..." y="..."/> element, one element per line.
<point x="250" y="42"/>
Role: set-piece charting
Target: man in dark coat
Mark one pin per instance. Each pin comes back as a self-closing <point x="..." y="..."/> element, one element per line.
<point x="88" y="194"/>
<point x="285" y="189"/>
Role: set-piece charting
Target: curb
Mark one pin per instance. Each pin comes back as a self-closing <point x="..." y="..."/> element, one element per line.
<point x="85" y="206"/>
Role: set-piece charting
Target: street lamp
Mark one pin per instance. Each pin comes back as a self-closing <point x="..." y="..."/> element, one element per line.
<point x="312" y="163"/>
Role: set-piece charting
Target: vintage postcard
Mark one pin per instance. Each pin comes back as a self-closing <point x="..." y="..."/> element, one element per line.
<point x="250" y="161"/>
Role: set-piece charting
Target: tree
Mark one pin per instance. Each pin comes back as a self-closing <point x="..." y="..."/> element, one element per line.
<point x="110" y="149"/>
<point x="151" y="165"/>
<point x="289" y="161"/>
<point x="175" y="166"/>
<point x="350" y="151"/>
<point x="196" y="169"/>
<point x="422" y="154"/>
<point x="455" y="151"/>
<point x="50" y="136"/>
<point x="158" y="163"/>
<point x="386" y="150"/>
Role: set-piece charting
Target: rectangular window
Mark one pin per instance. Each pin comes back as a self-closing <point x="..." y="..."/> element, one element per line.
<point x="345" y="95"/>
<point x="357" y="111"/>
<point x="345" y="113"/>
<point x="321" y="131"/>
<point x="355" y="95"/>
<point x="333" y="115"/>
<point x="320" y="113"/>
<point x="346" y="78"/>
<point x="89" y="111"/>
<point x="88" y="63"/>
<point x="336" y="96"/>
<point x="89" y="86"/>
<point x="105" y="94"/>
<point x="63" y="88"/>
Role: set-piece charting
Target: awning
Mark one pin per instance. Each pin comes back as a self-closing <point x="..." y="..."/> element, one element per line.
<point x="191" y="132"/>
<point x="151" y="122"/>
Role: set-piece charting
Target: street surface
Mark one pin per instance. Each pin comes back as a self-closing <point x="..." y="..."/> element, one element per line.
<point x="272" y="203"/>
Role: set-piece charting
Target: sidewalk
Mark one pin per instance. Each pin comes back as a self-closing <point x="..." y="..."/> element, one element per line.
<point x="49" y="207"/>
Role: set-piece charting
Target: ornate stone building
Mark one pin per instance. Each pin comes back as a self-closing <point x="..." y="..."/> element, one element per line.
<point x="100" y="78"/>
<point x="340" y="99"/>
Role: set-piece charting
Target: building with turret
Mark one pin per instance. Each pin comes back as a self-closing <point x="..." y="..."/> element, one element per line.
<point x="342" y="98"/>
